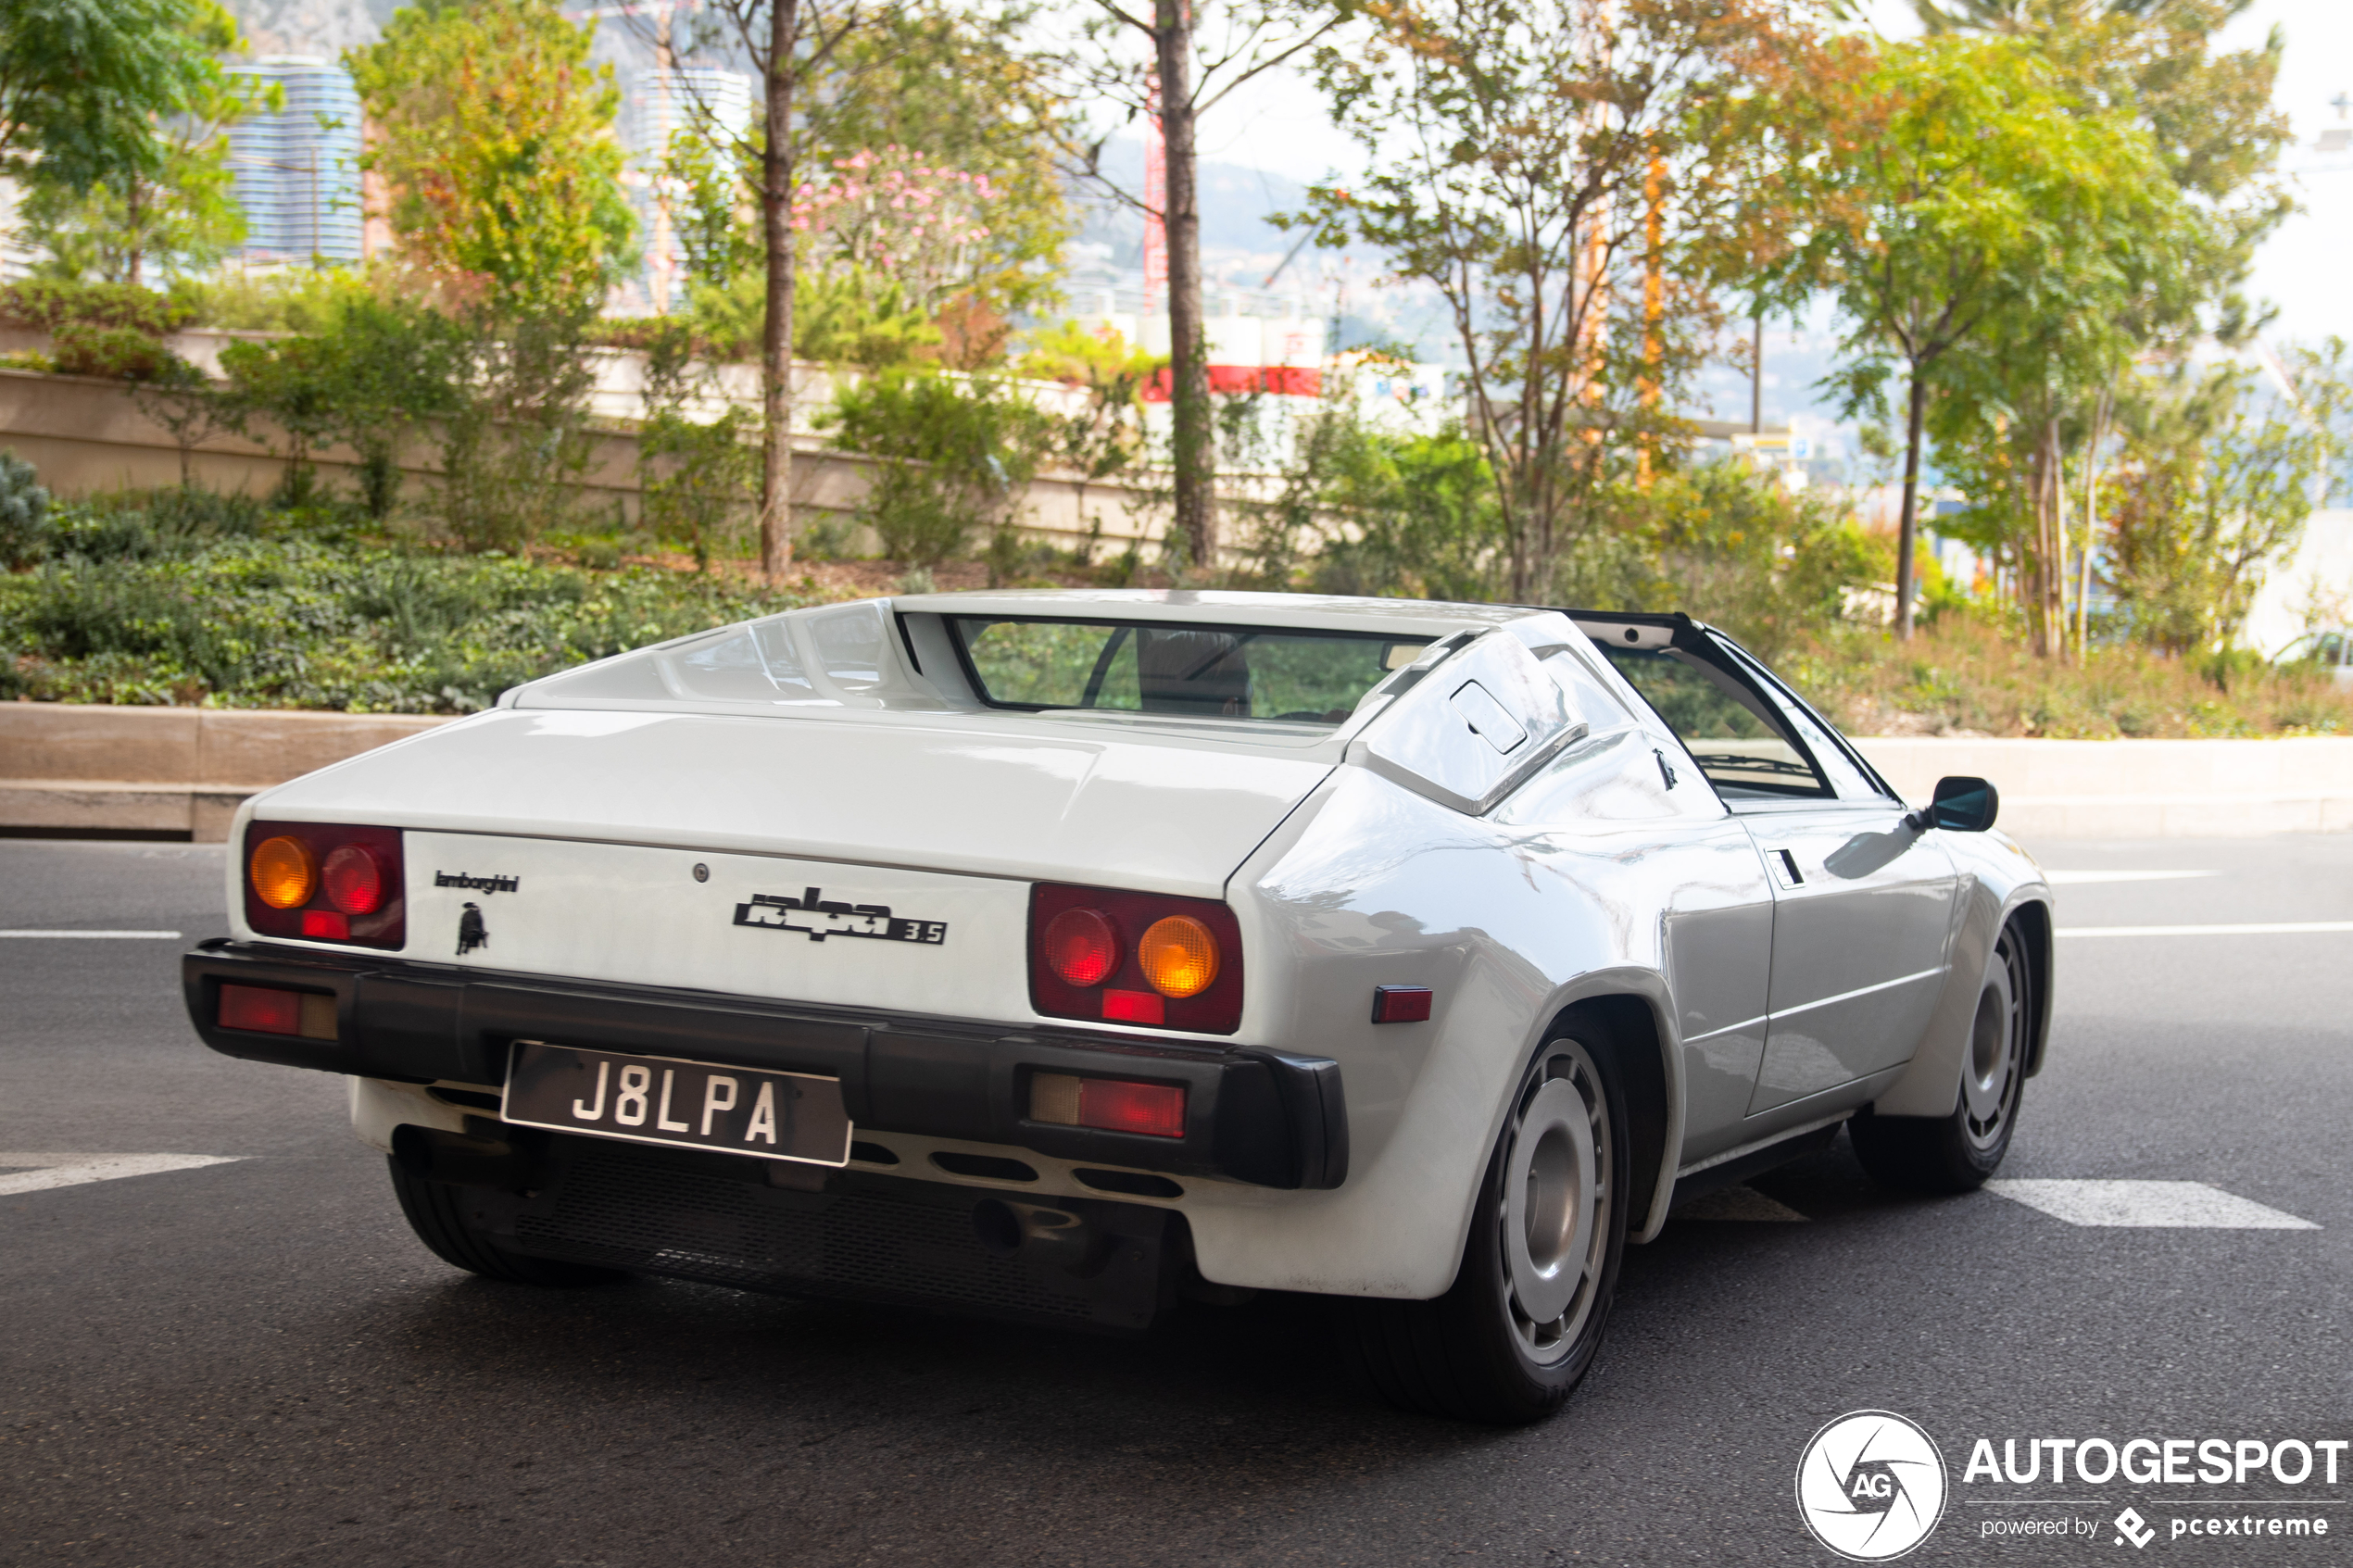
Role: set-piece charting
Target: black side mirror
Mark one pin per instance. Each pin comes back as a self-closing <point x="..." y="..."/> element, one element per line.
<point x="1960" y="805"/>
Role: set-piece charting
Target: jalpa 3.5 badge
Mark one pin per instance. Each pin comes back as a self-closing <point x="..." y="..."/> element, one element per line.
<point x="1871" y="1486"/>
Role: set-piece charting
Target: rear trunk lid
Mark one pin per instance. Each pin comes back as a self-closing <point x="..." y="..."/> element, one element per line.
<point x="704" y="850"/>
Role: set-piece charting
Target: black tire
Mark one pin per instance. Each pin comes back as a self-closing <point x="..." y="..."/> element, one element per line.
<point x="1476" y="1352"/>
<point x="1955" y="1153"/>
<point x="439" y="1215"/>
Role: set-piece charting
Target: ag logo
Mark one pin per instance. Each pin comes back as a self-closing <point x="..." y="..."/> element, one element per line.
<point x="1871" y="1486"/>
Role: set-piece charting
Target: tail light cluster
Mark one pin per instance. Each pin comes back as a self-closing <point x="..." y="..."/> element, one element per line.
<point x="324" y="882"/>
<point x="1106" y="955"/>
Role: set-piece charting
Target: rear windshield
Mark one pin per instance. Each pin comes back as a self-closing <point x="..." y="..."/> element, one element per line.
<point x="1198" y="672"/>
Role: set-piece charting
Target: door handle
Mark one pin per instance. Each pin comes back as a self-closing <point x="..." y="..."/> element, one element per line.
<point x="1785" y="868"/>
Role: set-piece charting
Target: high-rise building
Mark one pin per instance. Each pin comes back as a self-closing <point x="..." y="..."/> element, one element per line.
<point x="297" y="167"/>
<point x="664" y="103"/>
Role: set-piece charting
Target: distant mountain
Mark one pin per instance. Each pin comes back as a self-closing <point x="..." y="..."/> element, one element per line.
<point x="324" y="27"/>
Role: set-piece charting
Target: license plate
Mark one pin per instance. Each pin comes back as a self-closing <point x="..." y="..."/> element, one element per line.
<point x="682" y="1104"/>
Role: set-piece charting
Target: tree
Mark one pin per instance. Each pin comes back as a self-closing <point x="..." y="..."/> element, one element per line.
<point x="494" y="136"/>
<point x="1960" y="184"/>
<point x="173" y="207"/>
<point x="2212" y="126"/>
<point x="1561" y="172"/>
<point x="2218" y="475"/>
<point x="791" y="47"/>
<point x="939" y="99"/>
<point x="1156" y="64"/>
<point x="82" y="82"/>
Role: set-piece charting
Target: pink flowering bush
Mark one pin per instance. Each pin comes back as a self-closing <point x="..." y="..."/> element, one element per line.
<point x="897" y="215"/>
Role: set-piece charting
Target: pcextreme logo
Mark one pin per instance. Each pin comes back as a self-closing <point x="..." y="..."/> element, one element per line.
<point x="1871" y="1486"/>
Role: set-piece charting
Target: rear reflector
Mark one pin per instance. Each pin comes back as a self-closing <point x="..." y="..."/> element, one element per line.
<point x="1400" y="1004"/>
<point x="266" y="1011"/>
<point x="328" y="924"/>
<point x="1112" y="1105"/>
<point x="1135" y="1007"/>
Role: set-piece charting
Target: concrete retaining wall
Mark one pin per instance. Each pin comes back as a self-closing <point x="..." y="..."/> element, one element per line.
<point x="2056" y="789"/>
<point x="86" y="436"/>
<point x="72" y="767"/>
<point x="67" y="767"/>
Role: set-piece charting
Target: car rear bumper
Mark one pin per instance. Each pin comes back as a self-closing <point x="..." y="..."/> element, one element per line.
<point x="1266" y="1117"/>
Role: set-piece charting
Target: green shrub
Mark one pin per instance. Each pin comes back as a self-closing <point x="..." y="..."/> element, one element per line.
<point x="954" y="457"/>
<point x="186" y="598"/>
<point x="24" y="513"/>
<point x="116" y="354"/>
<point x="51" y="304"/>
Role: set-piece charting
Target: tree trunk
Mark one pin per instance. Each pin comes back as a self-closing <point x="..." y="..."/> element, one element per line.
<point x="1195" y="452"/>
<point x="1908" y="526"/>
<point x="777" y="169"/>
<point x="2040" y="578"/>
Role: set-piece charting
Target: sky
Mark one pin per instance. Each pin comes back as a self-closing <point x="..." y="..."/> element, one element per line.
<point x="1278" y="124"/>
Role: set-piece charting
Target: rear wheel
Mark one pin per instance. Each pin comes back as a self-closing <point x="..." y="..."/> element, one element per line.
<point x="1524" y="1316"/>
<point x="1956" y="1153"/>
<point x="439" y="1213"/>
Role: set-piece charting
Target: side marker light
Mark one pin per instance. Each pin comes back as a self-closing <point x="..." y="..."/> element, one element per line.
<point x="1400" y="1004"/>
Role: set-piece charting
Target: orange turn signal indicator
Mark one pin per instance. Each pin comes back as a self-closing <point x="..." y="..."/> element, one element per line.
<point x="1179" y="955"/>
<point x="285" y="872"/>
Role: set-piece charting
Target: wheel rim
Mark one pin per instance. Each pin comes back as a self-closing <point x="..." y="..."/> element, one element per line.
<point x="1554" y="1226"/>
<point x="1995" y="1069"/>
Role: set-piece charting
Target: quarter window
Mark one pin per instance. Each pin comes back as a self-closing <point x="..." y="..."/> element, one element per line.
<point x="1739" y="740"/>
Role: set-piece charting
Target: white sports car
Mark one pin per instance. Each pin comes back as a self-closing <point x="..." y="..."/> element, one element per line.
<point x="1059" y="956"/>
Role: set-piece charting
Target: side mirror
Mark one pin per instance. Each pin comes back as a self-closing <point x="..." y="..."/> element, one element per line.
<point x="1961" y="805"/>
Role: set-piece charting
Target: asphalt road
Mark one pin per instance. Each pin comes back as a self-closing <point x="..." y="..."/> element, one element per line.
<point x="253" y="1362"/>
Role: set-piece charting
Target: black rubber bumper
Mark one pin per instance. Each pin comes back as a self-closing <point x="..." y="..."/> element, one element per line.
<point x="1252" y="1114"/>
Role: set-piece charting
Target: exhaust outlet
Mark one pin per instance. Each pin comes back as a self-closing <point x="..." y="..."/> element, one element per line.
<point x="1042" y="1234"/>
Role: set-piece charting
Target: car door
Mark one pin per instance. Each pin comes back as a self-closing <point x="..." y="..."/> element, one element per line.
<point x="1629" y="796"/>
<point x="1862" y="904"/>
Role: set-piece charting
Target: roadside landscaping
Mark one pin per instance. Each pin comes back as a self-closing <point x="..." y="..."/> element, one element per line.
<point x="188" y="598"/>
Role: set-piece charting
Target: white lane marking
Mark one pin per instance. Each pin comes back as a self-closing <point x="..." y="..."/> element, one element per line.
<point x="2192" y="1205"/>
<point x="1735" y="1204"/>
<point x="2077" y="879"/>
<point x="2261" y="928"/>
<point x="96" y="936"/>
<point x="71" y="1170"/>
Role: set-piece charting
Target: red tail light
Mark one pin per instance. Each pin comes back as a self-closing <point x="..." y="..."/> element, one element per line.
<point x="1109" y="956"/>
<point x="1114" y="1105"/>
<point x="325" y="881"/>
<point x="1081" y="947"/>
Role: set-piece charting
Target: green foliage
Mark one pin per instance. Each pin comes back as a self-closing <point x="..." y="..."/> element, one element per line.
<point x="169" y="598"/>
<point x="1977" y="674"/>
<point x="1563" y="186"/>
<point x="953" y="457"/>
<point x="171" y="210"/>
<point x="83" y="82"/>
<point x="917" y="111"/>
<point x="24" y="513"/>
<point x="48" y="304"/>
<point x="1732" y="548"/>
<point x="117" y="354"/>
<point x="2218" y="475"/>
<point x="494" y="132"/>
<point x="697" y="479"/>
